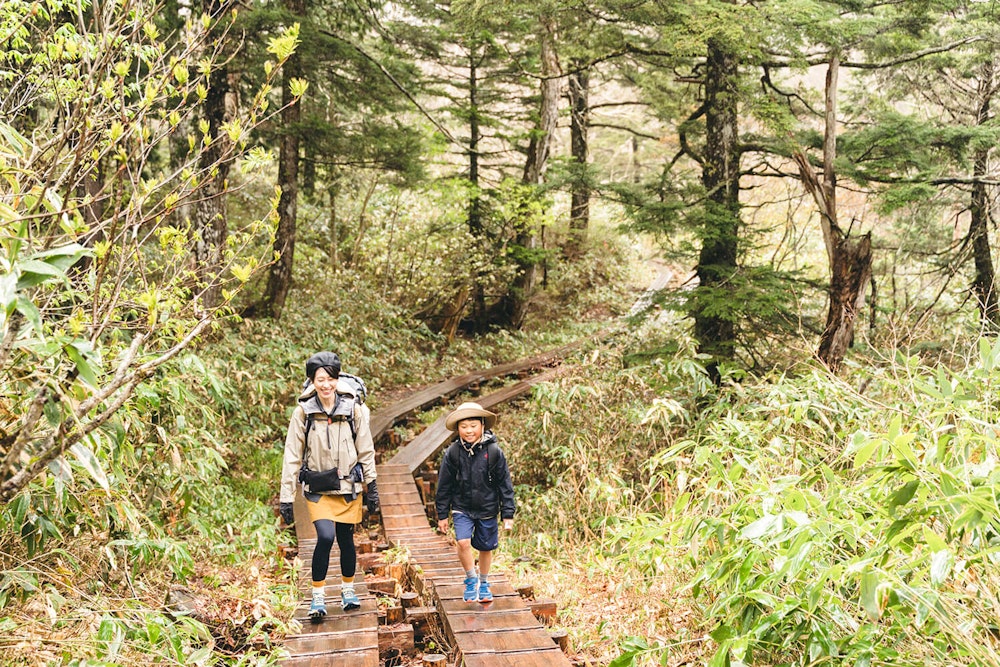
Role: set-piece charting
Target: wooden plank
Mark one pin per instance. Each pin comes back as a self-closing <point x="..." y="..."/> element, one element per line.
<point x="358" y="623"/>
<point x="504" y="641"/>
<point x="384" y="418"/>
<point x="430" y="441"/>
<point x="364" y="658"/>
<point x="461" y="607"/>
<point x="514" y="620"/>
<point x="548" y="658"/>
<point x="344" y="641"/>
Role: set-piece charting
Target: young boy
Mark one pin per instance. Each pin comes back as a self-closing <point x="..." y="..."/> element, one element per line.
<point x="474" y="486"/>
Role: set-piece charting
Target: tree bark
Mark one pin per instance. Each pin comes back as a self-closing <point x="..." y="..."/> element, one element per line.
<point x="208" y="216"/>
<point x="850" y="260"/>
<point x="514" y="306"/>
<point x="579" y="125"/>
<point x="715" y="331"/>
<point x="279" y="278"/>
<point x="850" y="272"/>
<point x="479" y="311"/>
<point x="984" y="280"/>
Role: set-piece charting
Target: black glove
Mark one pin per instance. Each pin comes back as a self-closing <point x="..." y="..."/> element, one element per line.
<point x="371" y="498"/>
<point x="287" y="515"/>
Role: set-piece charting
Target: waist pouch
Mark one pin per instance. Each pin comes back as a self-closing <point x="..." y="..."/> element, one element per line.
<point x="320" y="480"/>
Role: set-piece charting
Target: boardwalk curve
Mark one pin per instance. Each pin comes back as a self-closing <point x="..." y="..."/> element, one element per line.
<point x="499" y="634"/>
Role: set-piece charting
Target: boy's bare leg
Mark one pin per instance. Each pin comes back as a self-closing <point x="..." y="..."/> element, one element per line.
<point x="485" y="560"/>
<point x="465" y="555"/>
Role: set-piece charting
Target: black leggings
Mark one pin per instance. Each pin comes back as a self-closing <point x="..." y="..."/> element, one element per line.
<point x="326" y="530"/>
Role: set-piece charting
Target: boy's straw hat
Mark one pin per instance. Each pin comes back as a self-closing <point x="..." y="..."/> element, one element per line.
<point x="468" y="411"/>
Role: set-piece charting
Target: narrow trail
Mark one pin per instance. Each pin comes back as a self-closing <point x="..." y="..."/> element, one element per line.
<point x="499" y="634"/>
<point x="507" y="632"/>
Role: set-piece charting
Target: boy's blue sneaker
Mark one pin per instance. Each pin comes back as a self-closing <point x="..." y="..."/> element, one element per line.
<point x="317" y="609"/>
<point x="471" y="594"/>
<point x="485" y="595"/>
<point x="349" y="600"/>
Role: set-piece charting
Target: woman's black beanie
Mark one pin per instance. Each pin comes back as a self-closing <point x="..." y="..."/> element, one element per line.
<point x="328" y="361"/>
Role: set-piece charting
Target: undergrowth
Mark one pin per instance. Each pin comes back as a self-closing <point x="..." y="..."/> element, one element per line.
<point x="791" y="519"/>
<point x="158" y="543"/>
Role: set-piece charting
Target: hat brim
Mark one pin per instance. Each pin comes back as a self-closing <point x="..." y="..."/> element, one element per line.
<point x="451" y="421"/>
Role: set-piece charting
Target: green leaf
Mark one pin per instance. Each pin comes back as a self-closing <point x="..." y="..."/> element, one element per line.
<point x="721" y="657"/>
<point x="865" y="452"/>
<point x="760" y="527"/>
<point x="86" y="457"/>
<point x="933" y="540"/>
<point x="903" y="495"/>
<point x="941" y="562"/>
<point x="904" y="453"/>
<point x="200" y="657"/>
<point x="86" y="371"/>
<point x="14" y="140"/>
<point x="35" y="272"/>
<point x="631" y="647"/>
<point x="31" y="313"/>
<point x="869" y="594"/>
<point x="8" y="291"/>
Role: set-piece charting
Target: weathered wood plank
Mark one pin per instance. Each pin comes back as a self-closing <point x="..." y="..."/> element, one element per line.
<point x="505" y="641"/>
<point x="549" y="658"/>
<point x="434" y="437"/>
<point x="384" y="418"/>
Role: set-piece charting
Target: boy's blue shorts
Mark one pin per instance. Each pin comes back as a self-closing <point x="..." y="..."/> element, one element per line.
<point x="485" y="533"/>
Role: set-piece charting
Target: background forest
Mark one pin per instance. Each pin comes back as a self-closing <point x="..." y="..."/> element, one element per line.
<point x="788" y="455"/>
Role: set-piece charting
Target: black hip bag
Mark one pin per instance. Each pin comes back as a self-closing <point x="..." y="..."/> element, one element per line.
<point x="319" y="481"/>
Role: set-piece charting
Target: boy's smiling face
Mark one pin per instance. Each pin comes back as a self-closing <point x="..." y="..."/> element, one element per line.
<point x="470" y="430"/>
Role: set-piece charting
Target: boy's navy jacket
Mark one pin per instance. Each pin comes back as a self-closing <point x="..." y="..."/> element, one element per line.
<point x="463" y="481"/>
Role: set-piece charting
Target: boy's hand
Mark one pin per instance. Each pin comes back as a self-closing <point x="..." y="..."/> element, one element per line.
<point x="508" y="524"/>
<point x="443" y="526"/>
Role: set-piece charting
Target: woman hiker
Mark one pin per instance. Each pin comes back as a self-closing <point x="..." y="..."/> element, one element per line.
<point x="329" y="449"/>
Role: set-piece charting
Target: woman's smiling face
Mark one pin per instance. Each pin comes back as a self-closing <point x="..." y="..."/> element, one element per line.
<point x="326" y="385"/>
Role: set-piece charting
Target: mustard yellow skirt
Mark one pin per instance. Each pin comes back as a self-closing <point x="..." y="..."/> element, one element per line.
<point x="335" y="508"/>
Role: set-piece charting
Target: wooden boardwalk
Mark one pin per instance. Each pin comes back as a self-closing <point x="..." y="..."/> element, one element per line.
<point x="430" y="441"/>
<point x="502" y="633"/>
<point x="343" y="638"/>
<point x="384" y="419"/>
<point x="496" y="634"/>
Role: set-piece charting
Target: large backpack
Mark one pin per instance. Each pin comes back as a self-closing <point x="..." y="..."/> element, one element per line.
<point x="343" y="409"/>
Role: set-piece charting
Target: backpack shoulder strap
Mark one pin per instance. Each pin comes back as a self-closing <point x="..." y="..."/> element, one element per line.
<point x="305" y="439"/>
<point x="493" y="454"/>
<point x="451" y="453"/>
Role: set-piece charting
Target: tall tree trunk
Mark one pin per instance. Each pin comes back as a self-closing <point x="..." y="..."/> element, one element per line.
<point x="480" y="318"/>
<point x="514" y="306"/>
<point x="984" y="281"/>
<point x="579" y="126"/>
<point x="715" y="331"/>
<point x="850" y="271"/>
<point x="850" y="260"/>
<point x="334" y="253"/>
<point x="208" y="216"/>
<point x="279" y="278"/>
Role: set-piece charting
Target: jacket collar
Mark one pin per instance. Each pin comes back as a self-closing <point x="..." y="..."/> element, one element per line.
<point x="488" y="438"/>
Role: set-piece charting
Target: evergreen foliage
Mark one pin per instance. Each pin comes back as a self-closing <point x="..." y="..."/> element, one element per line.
<point x="696" y="489"/>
